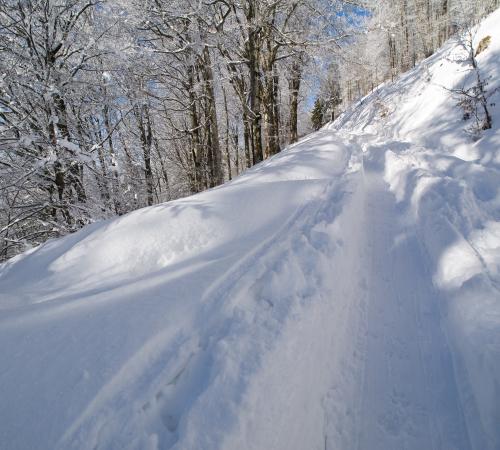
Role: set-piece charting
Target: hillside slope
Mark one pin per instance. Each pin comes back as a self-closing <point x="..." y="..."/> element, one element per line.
<point x="344" y="294"/>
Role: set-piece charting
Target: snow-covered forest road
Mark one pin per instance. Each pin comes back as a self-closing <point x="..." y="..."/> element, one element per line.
<point x="409" y="397"/>
<point x="328" y="333"/>
<point x="341" y="295"/>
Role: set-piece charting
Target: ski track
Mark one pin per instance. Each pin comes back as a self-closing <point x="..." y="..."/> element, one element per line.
<point x="409" y="395"/>
<point x="401" y="391"/>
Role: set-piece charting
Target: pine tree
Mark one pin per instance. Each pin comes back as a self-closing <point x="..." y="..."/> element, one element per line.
<point x="317" y="114"/>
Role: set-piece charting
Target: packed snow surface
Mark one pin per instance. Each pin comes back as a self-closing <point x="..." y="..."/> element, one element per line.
<point x="342" y="295"/>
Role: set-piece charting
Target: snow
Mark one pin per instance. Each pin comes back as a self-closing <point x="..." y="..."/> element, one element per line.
<point x="344" y="294"/>
<point x="447" y="187"/>
<point x="71" y="146"/>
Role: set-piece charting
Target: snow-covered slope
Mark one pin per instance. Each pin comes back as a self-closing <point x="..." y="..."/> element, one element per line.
<point x="344" y="294"/>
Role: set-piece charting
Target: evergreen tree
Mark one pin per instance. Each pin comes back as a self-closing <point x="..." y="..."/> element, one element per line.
<point x="317" y="114"/>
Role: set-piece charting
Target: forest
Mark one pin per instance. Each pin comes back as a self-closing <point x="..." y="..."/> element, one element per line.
<point x="107" y="106"/>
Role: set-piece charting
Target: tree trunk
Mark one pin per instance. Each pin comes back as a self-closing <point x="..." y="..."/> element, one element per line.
<point x="163" y="168"/>
<point x="144" y="124"/>
<point x="207" y="73"/>
<point x="254" y="93"/>
<point x="246" y="139"/>
<point x="115" y="183"/>
<point x="196" y="149"/>
<point x="228" y="153"/>
<point x="294" y="87"/>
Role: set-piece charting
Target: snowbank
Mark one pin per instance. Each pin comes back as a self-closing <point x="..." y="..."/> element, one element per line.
<point x="148" y="330"/>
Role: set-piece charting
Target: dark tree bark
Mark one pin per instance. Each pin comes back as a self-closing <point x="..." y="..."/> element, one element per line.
<point x="217" y="176"/>
<point x="294" y="87"/>
<point x="145" y="132"/>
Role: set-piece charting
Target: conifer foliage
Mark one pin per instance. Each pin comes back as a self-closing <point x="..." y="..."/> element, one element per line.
<point x="317" y="114"/>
